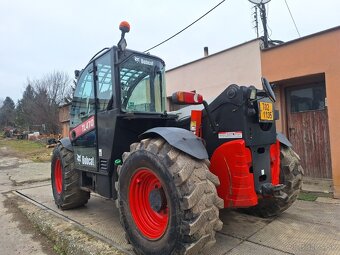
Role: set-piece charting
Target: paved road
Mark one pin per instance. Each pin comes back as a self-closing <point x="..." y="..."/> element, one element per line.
<point x="18" y="236"/>
<point x="306" y="228"/>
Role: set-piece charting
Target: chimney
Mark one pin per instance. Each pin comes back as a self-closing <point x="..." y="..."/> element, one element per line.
<point x="206" y="51"/>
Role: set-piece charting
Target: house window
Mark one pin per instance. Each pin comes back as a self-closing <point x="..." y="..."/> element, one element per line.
<point x="307" y="99"/>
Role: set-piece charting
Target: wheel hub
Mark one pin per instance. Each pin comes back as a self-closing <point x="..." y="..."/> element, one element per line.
<point x="157" y="199"/>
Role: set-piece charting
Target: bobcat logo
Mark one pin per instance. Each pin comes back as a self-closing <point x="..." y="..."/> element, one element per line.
<point x="78" y="158"/>
<point x="137" y="59"/>
<point x="85" y="160"/>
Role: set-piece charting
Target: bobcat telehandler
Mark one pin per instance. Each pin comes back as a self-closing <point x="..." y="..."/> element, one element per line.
<point x="170" y="175"/>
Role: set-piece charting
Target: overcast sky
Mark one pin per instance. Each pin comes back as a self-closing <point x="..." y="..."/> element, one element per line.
<point x="39" y="36"/>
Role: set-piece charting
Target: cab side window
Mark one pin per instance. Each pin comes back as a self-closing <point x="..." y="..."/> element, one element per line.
<point x="104" y="83"/>
<point x="83" y="104"/>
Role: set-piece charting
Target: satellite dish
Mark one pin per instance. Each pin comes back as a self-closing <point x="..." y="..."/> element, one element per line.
<point x="259" y="1"/>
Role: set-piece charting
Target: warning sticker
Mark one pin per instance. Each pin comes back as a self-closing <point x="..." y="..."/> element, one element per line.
<point x="230" y="135"/>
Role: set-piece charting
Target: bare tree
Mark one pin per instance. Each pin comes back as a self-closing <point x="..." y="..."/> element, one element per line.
<point x="58" y="86"/>
<point x="46" y="110"/>
<point x="41" y="99"/>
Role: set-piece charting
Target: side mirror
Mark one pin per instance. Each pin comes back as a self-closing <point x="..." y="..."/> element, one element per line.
<point x="76" y="74"/>
<point x="181" y="97"/>
<point x="268" y="89"/>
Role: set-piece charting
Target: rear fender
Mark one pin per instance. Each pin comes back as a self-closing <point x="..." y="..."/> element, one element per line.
<point x="66" y="142"/>
<point x="179" y="138"/>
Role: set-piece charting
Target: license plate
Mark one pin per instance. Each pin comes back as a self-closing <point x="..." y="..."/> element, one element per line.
<point x="266" y="111"/>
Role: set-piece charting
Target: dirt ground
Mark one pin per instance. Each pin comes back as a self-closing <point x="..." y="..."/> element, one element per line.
<point x="24" y="228"/>
<point x="24" y="149"/>
<point x="18" y="235"/>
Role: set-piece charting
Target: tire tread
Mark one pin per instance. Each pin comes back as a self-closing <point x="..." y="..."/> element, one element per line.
<point x="291" y="175"/>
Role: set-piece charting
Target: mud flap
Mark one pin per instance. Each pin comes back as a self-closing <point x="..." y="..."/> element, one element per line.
<point x="283" y="139"/>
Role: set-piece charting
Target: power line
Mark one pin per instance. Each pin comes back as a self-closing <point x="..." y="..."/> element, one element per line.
<point x="186" y="26"/>
<point x="291" y="15"/>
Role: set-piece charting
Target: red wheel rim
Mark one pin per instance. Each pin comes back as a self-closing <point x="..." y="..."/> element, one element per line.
<point x="151" y="224"/>
<point x="58" y="176"/>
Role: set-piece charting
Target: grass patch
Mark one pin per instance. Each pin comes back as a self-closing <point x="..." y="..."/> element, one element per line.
<point x="32" y="150"/>
<point x="307" y="196"/>
<point x="58" y="250"/>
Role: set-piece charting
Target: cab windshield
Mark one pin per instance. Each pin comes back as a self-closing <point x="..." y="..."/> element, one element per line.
<point x="142" y="85"/>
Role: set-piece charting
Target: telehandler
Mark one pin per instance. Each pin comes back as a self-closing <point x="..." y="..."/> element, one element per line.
<point x="170" y="175"/>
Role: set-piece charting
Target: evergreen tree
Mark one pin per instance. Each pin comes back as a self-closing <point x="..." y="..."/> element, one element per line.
<point x="25" y="111"/>
<point x="7" y="112"/>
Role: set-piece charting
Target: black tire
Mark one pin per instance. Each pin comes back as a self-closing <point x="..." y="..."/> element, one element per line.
<point x="291" y="173"/>
<point x="67" y="194"/>
<point x="191" y="199"/>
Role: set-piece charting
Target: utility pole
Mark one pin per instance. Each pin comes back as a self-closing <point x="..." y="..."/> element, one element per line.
<point x="256" y="21"/>
<point x="260" y="4"/>
<point x="263" y="16"/>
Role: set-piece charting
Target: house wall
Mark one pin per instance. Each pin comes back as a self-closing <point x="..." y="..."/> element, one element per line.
<point x="210" y="75"/>
<point x="316" y="54"/>
<point x="65" y="129"/>
<point x="64" y="119"/>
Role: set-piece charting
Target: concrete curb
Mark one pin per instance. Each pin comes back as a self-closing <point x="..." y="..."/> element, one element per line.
<point x="21" y="183"/>
<point x="69" y="238"/>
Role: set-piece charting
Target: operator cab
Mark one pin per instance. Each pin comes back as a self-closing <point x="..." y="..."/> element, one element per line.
<point x="126" y="81"/>
<point x="141" y="85"/>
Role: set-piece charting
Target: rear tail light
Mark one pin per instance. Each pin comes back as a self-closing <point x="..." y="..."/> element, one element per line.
<point x="182" y="97"/>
